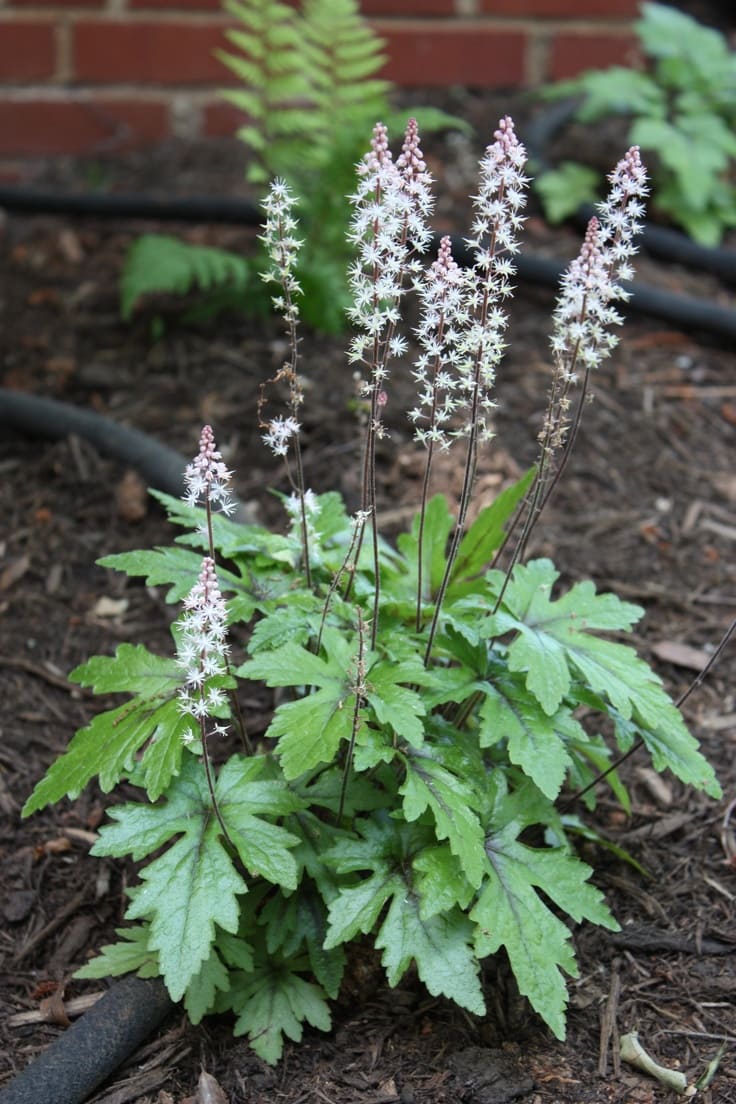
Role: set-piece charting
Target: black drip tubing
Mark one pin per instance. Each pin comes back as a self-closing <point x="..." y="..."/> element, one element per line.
<point x="681" y="311"/>
<point x="90" y="1051"/>
<point x="161" y="466"/>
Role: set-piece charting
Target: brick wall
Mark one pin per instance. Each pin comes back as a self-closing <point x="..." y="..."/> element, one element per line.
<point x="101" y="76"/>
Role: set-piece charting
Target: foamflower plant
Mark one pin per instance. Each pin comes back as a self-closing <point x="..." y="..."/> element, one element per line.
<point x="442" y="701"/>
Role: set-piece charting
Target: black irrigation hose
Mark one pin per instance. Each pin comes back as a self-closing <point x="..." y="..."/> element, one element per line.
<point x="132" y="205"/>
<point x="659" y="241"/>
<point x="90" y="1051"/>
<point x="162" y="467"/>
<point x="679" y="310"/>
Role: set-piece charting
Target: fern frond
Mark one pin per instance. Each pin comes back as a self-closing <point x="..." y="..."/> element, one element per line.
<point x="271" y="63"/>
<point x="157" y="263"/>
<point x="343" y="54"/>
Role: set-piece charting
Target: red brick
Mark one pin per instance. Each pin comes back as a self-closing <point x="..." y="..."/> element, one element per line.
<point x="27" y="51"/>
<point x="175" y="5"/>
<point x="220" y="119"/>
<point x="562" y="9"/>
<point x="149" y="51"/>
<point x="407" y="7"/>
<point x="430" y="54"/>
<point x="571" y="54"/>
<point x="33" y="128"/>
<point x="55" y="3"/>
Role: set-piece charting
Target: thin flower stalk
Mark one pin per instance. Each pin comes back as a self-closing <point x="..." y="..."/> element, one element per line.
<point x="498" y="220"/>
<point x="441" y="301"/>
<point x="389" y="227"/>
<point x="581" y="337"/>
<point x="282" y="249"/>
<point x="202" y="652"/>
<point x="359" y="690"/>
<point x="208" y="481"/>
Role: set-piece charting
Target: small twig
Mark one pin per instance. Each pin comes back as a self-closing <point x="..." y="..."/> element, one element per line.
<point x="79" y="899"/>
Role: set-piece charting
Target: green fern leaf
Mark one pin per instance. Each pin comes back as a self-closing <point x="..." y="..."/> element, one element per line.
<point x="157" y="263"/>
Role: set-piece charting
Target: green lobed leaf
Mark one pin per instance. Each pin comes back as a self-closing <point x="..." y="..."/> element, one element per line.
<point x="131" y="955"/>
<point x="201" y="993"/>
<point x="510" y="913"/>
<point x="189" y="888"/>
<point x="106" y="748"/>
<point x="132" y="670"/>
<point x="536" y="741"/>
<point x="175" y="566"/>
<point x="429" y="785"/>
<point x="245" y="799"/>
<point x="441" y="947"/>
<point x="274" y="1002"/>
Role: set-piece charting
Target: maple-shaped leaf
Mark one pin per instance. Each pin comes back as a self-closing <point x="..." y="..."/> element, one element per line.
<point x="429" y="784"/>
<point x="244" y="798"/>
<point x="191" y="886"/>
<point x="107" y="747"/>
<point x="272" y="1002"/>
<point x="131" y="955"/>
<point x="310" y="729"/>
<point x="536" y="742"/>
<point x="175" y="567"/>
<point x="511" y="913"/>
<point x="132" y="670"/>
<point x="441" y="945"/>
<point x="395" y="704"/>
<point x="555" y="644"/>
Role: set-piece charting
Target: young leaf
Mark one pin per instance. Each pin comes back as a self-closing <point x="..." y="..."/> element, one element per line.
<point x="273" y="1002"/>
<point x="309" y="730"/>
<point x="131" y="955"/>
<point x="190" y="887"/>
<point x="394" y="704"/>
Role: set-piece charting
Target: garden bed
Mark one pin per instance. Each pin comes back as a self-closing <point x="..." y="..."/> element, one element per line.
<point x="647" y="509"/>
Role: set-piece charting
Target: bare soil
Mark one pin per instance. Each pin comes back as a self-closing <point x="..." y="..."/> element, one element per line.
<point x="648" y="510"/>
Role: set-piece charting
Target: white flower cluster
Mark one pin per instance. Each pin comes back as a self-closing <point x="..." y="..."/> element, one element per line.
<point x="207" y="478"/>
<point x="495" y="239"/>
<point x="202" y="650"/>
<point x="443" y="317"/>
<point x="280" y="431"/>
<point x="389" y="226"/>
<point x="584" y="310"/>
<point x="282" y="248"/>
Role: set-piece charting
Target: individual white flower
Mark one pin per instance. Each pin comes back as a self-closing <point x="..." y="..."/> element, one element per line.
<point x="280" y="431"/>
